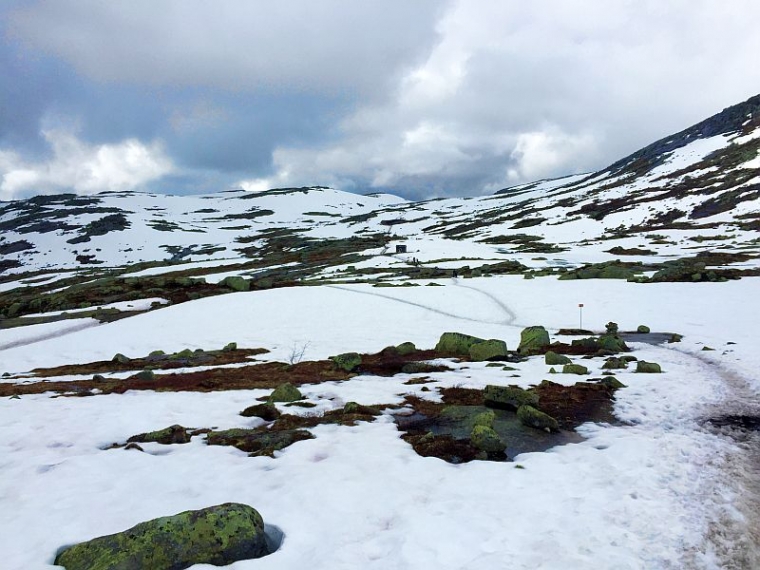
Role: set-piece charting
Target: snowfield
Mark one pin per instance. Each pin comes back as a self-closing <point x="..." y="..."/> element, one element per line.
<point x="657" y="491"/>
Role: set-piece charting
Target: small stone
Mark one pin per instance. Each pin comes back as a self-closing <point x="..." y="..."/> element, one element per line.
<point x="642" y="329"/>
<point x="612" y="383"/>
<point x="486" y="439"/>
<point x="146" y="374"/>
<point x="120" y="358"/>
<point x="348" y="361"/>
<point x="230" y="347"/>
<point x="172" y="434"/>
<point x="615" y="363"/>
<point x="267" y="412"/>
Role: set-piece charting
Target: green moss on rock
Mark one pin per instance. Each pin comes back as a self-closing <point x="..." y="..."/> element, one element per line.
<point x="508" y="397"/>
<point x="348" y="361"/>
<point x="486" y="439"/>
<point x="643" y="329"/>
<point x="648" y="367"/>
<point x="166" y="436"/>
<point x="488" y="349"/>
<point x="552" y="358"/>
<point x="406" y="348"/>
<point x="236" y="283"/>
<point x="120" y="358"/>
<point x="531" y="417"/>
<point x="533" y="340"/>
<point x="456" y="344"/>
<point x="574" y="369"/>
<point x="485" y="419"/>
<point x="285" y="393"/>
<point x="218" y="535"/>
<point x="146" y="374"/>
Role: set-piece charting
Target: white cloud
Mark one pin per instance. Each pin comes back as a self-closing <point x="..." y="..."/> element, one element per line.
<point x="83" y="168"/>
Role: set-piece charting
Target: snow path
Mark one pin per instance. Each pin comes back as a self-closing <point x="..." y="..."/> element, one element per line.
<point x="63" y="328"/>
<point x="506" y="310"/>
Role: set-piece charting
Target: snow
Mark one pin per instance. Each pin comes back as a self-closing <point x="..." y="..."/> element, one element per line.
<point x="640" y="495"/>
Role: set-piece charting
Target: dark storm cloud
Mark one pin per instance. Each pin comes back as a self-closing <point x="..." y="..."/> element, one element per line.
<point x="419" y="98"/>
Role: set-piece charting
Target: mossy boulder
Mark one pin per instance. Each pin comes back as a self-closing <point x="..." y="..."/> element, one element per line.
<point x="612" y="383"/>
<point x="648" y="367"/>
<point x="588" y="343"/>
<point x="166" y="436"/>
<point x="356" y="408"/>
<point x="574" y="369"/>
<point x="218" y="535"/>
<point x="456" y="344"/>
<point x="531" y="417"/>
<point x="120" y="358"/>
<point x="615" y="363"/>
<point x="348" y="361"/>
<point x="146" y="374"/>
<point x="257" y="442"/>
<point x="485" y="419"/>
<point x="487" y="350"/>
<point x="182" y="354"/>
<point x="285" y="393"/>
<point x="406" y="348"/>
<point x="236" y="283"/>
<point x="612" y="343"/>
<point x="486" y="439"/>
<point x="510" y="397"/>
<point x="642" y="329"/>
<point x="533" y="340"/>
<point x="266" y="411"/>
<point x="421" y="368"/>
<point x="229" y="347"/>
<point x="552" y="358"/>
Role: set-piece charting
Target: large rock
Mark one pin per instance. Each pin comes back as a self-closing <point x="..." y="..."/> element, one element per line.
<point x="533" y="340"/>
<point x="456" y="344"/>
<point x="648" y="367"/>
<point x="285" y="393"/>
<point x="508" y="397"/>
<point x="406" y="348"/>
<point x="486" y="439"/>
<point x="348" y="361"/>
<point x="552" y="358"/>
<point x="487" y="350"/>
<point x="235" y="283"/>
<point x="574" y="369"/>
<point x="218" y="535"/>
<point x="531" y="417"/>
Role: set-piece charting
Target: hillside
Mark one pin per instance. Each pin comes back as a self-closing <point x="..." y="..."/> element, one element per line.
<point x="292" y="350"/>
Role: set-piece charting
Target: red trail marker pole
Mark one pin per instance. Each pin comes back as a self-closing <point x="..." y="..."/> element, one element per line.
<point x="580" y="309"/>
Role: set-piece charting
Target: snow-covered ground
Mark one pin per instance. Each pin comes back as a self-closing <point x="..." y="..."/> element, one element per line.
<point x="658" y="491"/>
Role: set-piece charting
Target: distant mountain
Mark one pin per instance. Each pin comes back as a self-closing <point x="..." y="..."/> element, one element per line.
<point x="697" y="190"/>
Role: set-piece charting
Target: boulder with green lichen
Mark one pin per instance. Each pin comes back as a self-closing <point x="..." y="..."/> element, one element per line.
<point x="486" y="439"/>
<point x="285" y="393"/>
<point x="612" y="383"/>
<point x="531" y="417"/>
<point x="456" y="344"/>
<point x="218" y="535"/>
<point x="484" y="419"/>
<point x="552" y="358"/>
<point x="348" y="361"/>
<point x="642" y="329"/>
<point x="166" y="436"/>
<point x="406" y="348"/>
<point x="120" y="358"/>
<point x="236" y="283"/>
<point x="146" y="374"/>
<point x="615" y="363"/>
<point x="488" y="350"/>
<point x="574" y="369"/>
<point x="511" y="397"/>
<point x="648" y="367"/>
<point x="266" y="411"/>
<point x="533" y="340"/>
<point x="229" y="347"/>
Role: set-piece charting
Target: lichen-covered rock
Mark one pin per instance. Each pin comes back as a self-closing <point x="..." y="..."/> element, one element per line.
<point x="229" y="347"/>
<point x="236" y="283"/>
<point x="615" y="363"/>
<point x="488" y="349"/>
<point x="642" y="329"/>
<point x="533" y="340"/>
<point x="257" y="442"/>
<point x="166" y="436"/>
<point x="486" y="439"/>
<point x="146" y="374"/>
<point x="120" y="358"/>
<point x="612" y="383"/>
<point x="508" y="397"/>
<point x="356" y="408"/>
<point x="406" y="348"/>
<point x="182" y="354"/>
<point x="348" y="361"/>
<point x="612" y="328"/>
<point x="574" y="369"/>
<point x="552" y="358"/>
<point x="648" y="367"/>
<point x="285" y="393"/>
<point x="156" y="354"/>
<point x="612" y="342"/>
<point x="485" y="419"/>
<point x="422" y="368"/>
<point x="531" y="417"/>
<point x="218" y="535"/>
<point x="589" y="343"/>
<point x="458" y="344"/>
<point x="266" y="411"/>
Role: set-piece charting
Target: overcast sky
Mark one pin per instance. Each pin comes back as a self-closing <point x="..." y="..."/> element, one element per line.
<point x="420" y="98"/>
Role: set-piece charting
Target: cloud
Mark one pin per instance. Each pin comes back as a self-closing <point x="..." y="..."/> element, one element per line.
<point x="82" y="168"/>
<point x="419" y="98"/>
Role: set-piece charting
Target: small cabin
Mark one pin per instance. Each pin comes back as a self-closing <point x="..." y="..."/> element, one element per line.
<point x="401" y="248"/>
